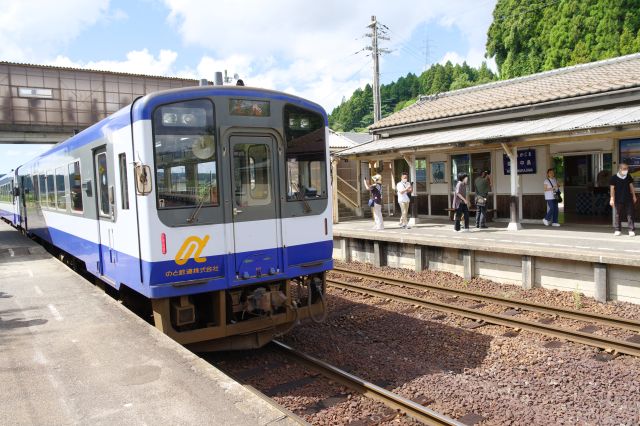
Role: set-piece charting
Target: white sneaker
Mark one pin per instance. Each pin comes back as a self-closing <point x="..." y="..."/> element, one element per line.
<point x="465" y="230"/>
<point x="617" y="233"/>
<point x="632" y="234"/>
<point x="546" y="222"/>
<point x="555" y="224"/>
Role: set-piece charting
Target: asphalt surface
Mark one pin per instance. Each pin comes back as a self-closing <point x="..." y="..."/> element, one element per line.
<point x="73" y="355"/>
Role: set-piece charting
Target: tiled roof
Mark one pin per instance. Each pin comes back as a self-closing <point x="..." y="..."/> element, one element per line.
<point x="586" y="120"/>
<point x="579" y="80"/>
<point x="357" y="137"/>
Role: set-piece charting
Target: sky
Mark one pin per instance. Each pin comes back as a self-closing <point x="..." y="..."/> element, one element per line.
<point x="314" y="49"/>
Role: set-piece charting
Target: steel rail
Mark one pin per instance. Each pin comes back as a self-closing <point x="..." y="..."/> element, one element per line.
<point x="521" y="304"/>
<point x="369" y="389"/>
<point x="620" y="346"/>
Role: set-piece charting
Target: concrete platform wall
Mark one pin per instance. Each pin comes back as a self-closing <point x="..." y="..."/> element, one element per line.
<point x="601" y="281"/>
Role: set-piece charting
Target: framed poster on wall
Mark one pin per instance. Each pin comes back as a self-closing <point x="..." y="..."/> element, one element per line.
<point x="438" y="172"/>
<point x="630" y="154"/>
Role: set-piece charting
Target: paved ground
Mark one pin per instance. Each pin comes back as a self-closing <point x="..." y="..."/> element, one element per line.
<point x="588" y="243"/>
<point x="72" y="355"/>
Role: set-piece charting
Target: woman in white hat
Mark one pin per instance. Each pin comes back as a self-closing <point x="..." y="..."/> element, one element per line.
<point x="375" y="202"/>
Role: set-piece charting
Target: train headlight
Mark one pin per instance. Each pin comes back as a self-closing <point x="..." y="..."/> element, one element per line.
<point x="188" y="119"/>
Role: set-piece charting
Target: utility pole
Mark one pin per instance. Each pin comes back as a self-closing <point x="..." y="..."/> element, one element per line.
<point x="375" y="54"/>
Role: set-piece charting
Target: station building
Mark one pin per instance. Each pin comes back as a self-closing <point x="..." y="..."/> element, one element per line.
<point x="581" y="120"/>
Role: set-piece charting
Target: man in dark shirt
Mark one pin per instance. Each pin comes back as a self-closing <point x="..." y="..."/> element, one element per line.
<point x="623" y="198"/>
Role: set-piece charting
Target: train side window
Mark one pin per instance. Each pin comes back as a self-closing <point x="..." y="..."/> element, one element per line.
<point x="61" y="189"/>
<point x="306" y="154"/>
<point x="75" y="186"/>
<point x="124" y="184"/>
<point x="103" y="184"/>
<point x="51" y="190"/>
<point x="42" y="199"/>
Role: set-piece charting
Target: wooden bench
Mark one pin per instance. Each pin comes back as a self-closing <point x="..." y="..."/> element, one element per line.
<point x="451" y="213"/>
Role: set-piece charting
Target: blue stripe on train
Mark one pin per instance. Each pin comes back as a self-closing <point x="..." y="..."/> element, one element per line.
<point x="169" y="279"/>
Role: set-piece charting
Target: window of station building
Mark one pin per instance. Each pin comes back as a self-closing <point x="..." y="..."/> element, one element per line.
<point x="306" y="154"/>
<point x="471" y="164"/>
<point x="51" y="190"/>
<point x="124" y="184"/>
<point x="75" y="186"/>
<point x="185" y="154"/>
<point x="61" y="190"/>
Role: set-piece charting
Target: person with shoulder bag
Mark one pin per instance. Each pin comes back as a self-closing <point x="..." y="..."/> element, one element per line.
<point x="375" y="202"/>
<point x="483" y="187"/>
<point x="553" y="197"/>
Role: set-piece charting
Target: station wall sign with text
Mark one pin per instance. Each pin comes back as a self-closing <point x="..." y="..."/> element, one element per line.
<point x="526" y="162"/>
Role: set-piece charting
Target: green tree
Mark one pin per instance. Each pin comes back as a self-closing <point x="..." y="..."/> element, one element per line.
<point x="529" y="37"/>
<point x="356" y="113"/>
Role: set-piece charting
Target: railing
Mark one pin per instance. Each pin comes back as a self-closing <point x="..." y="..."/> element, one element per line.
<point x="347" y="193"/>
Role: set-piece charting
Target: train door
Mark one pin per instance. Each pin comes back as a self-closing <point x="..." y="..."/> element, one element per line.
<point x="105" y="210"/>
<point x="255" y="206"/>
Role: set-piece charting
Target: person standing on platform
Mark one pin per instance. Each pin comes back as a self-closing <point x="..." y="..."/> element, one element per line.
<point x="375" y="201"/>
<point x="404" y="189"/>
<point x="460" y="202"/>
<point x="483" y="187"/>
<point x="623" y="199"/>
<point x="552" y="197"/>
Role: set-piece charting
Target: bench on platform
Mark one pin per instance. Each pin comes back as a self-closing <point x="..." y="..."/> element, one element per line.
<point x="471" y="210"/>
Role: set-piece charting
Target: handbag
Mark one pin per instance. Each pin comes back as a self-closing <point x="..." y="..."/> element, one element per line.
<point x="371" y="202"/>
<point x="481" y="201"/>
<point x="556" y="193"/>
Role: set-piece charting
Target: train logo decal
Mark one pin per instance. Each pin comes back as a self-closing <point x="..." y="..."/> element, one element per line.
<point x="192" y="246"/>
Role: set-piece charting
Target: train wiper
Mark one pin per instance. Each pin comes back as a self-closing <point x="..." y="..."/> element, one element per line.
<point x="300" y="197"/>
<point x="196" y="212"/>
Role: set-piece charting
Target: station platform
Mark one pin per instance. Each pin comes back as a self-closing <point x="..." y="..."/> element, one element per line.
<point x="589" y="259"/>
<point x="73" y="355"/>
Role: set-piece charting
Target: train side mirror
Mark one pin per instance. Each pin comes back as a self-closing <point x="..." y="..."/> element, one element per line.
<point x="143" y="179"/>
<point x="16" y="191"/>
<point x="86" y="185"/>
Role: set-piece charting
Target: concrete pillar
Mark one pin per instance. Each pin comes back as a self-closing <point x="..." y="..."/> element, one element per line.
<point x="514" y="216"/>
<point x="528" y="272"/>
<point x="379" y="254"/>
<point x="345" y="248"/>
<point x="468" y="261"/>
<point x="422" y="258"/>
<point x="600" y="279"/>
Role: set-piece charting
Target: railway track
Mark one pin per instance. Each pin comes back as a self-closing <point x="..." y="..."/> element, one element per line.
<point x="602" y="342"/>
<point x="368" y="389"/>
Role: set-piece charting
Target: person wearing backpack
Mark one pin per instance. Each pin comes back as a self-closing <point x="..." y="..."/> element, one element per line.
<point x="483" y="187"/>
<point x="375" y="201"/>
<point x="553" y="197"/>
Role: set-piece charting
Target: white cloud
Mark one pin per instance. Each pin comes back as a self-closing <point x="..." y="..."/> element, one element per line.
<point x="307" y="48"/>
<point x="32" y="29"/>
<point x="137" y="62"/>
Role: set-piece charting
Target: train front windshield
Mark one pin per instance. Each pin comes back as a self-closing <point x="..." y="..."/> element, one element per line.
<point x="185" y="155"/>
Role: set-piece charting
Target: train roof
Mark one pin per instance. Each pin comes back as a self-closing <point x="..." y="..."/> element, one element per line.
<point x="143" y="109"/>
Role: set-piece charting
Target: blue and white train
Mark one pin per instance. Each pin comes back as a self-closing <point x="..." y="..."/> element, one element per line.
<point x="212" y="202"/>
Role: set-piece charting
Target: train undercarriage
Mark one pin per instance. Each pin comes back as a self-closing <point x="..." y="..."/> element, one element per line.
<point x="241" y="318"/>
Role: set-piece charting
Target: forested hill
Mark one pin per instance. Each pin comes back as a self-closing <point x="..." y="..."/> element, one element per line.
<point x="540" y="35"/>
<point x="525" y="37"/>
<point x="356" y="113"/>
